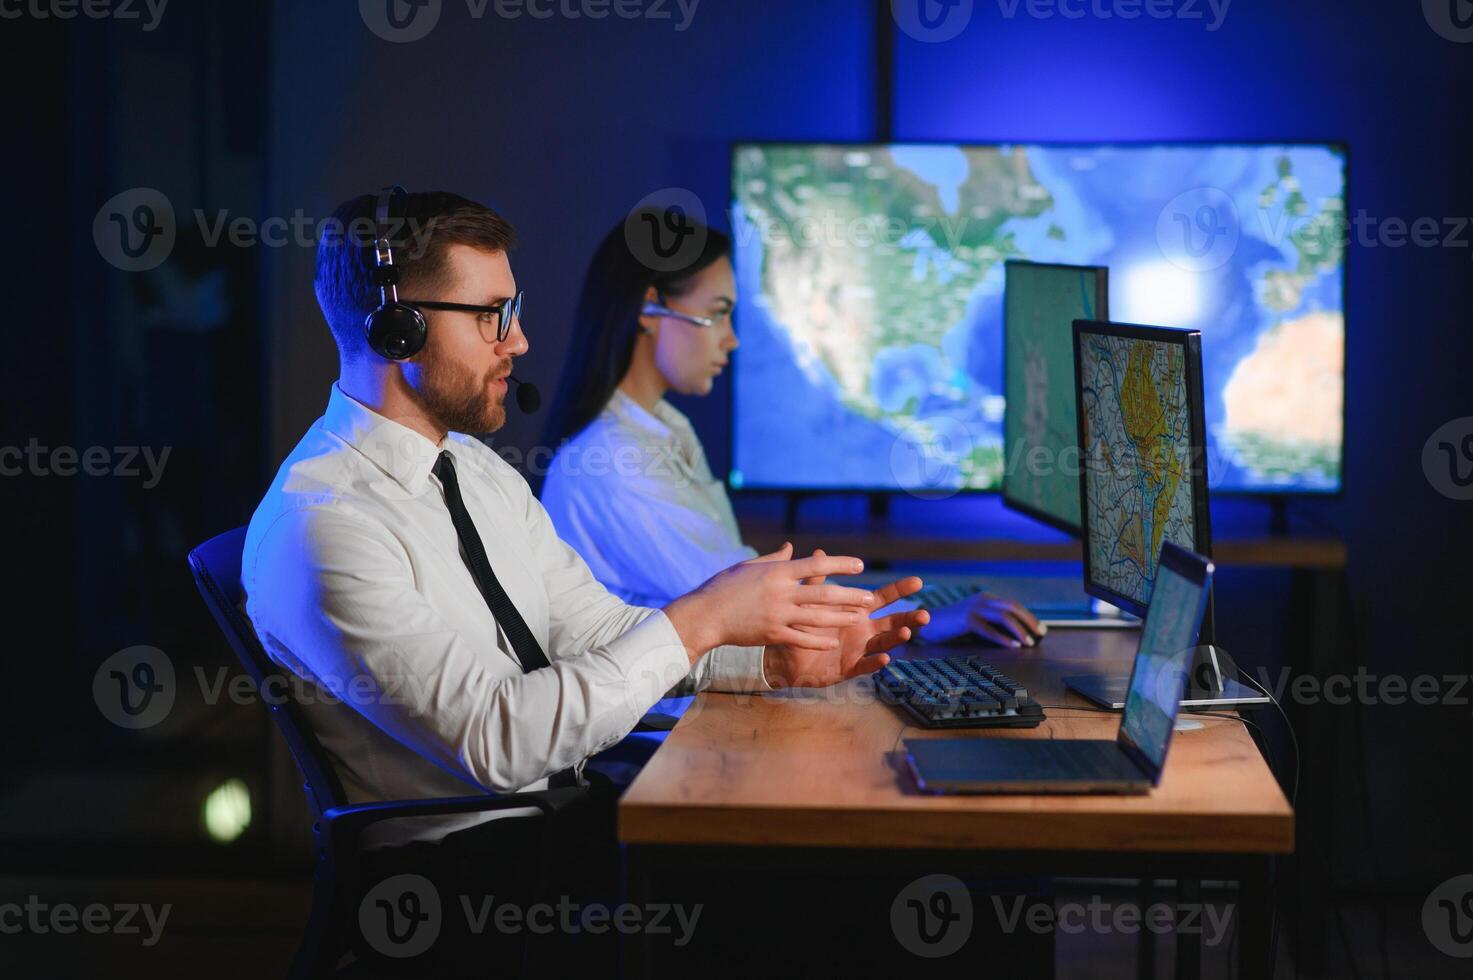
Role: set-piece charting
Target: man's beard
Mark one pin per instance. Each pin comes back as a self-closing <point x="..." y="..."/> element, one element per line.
<point x="457" y="400"/>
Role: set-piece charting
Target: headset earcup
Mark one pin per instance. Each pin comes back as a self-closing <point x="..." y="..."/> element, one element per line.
<point x="396" y="331"/>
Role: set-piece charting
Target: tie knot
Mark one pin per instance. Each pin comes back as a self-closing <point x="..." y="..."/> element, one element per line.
<point x="445" y="466"/>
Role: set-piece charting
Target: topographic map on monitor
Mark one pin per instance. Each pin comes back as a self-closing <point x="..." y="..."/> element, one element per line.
<point x="1137" y="442"/>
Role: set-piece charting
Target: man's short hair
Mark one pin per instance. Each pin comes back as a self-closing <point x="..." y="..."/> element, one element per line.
<point x="421" y="228"/>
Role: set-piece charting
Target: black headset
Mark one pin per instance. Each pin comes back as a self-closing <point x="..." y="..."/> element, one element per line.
<point x="395" y="331"/>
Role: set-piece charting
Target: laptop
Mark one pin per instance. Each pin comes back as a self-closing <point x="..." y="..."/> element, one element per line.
<point x="1133" y="762"/>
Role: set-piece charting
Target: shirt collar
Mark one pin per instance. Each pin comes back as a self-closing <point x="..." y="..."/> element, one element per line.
<point x="404" y="455"/>
<point x="662" y="423"/>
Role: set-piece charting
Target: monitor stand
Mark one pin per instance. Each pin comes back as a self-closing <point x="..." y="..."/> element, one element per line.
<point x="1206" y="688"/>
<point x="877" y="506"/>
<point x="1278" y="521"/>
<point x="1093" y="614"/>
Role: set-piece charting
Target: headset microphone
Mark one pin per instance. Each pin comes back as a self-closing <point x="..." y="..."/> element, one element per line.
<point x="529" y="399"/>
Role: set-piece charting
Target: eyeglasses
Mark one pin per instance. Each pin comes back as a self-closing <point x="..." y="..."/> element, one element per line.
<point x="507" y="312"/>
<point x="658" y="309"/>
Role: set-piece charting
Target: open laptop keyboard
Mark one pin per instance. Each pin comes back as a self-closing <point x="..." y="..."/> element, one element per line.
<point x="957" y="692"/>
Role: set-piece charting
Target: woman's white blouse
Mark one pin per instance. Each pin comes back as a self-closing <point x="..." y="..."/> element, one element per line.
<point x="634" y="495"/>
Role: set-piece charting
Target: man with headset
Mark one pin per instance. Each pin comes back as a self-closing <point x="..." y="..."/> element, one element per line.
<point x="406" y="570"/>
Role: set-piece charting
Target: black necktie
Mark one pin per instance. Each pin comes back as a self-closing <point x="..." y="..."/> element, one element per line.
<point x="529" y="652"/>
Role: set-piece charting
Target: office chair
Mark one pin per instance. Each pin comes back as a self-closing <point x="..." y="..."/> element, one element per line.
<point x="337" y="825"/>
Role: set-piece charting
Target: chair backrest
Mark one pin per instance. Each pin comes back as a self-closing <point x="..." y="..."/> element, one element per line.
<point x="216" y="567"/>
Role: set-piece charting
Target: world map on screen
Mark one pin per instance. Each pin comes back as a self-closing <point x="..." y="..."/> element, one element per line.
<point x="871" y="282"/>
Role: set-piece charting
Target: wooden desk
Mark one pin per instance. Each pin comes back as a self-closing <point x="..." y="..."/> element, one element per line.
<point x="820" y="769"/>
<point x="1318" y="645"/>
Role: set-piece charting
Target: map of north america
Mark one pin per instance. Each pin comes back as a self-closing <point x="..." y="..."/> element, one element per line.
<point x="871" y="281"/>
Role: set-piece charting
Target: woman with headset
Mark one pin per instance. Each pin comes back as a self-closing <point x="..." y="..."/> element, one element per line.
<point x="630" y="488"/>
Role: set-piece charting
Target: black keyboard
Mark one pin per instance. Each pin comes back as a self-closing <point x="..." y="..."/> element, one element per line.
<point x="957" y="692"/>
<point x="941" y="596"/>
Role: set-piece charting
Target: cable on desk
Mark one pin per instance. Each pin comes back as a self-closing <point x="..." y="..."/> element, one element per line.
<point x="1293" y="801"/>
<point x="898" y="737"/>
<point x="1293" y="738"/>
<point x="1226" y="717"/>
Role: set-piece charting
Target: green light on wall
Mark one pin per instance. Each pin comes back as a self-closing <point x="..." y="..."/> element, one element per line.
<point x="227" y="811"/>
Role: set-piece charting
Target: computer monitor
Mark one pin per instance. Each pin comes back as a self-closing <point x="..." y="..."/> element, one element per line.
<point x="871" y="300"/>
<point x="1143" y="473"/>
<point x="1041" y="301"/>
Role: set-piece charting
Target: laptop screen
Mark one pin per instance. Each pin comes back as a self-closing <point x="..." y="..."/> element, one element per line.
<point x="1168" y="642"/>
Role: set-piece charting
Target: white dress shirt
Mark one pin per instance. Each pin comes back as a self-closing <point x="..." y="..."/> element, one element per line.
<point x="355" y="582"/>
<point x="634" y="495"/>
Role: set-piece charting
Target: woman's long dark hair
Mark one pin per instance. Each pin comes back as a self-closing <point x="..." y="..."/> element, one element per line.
<point x="607" y="321"/>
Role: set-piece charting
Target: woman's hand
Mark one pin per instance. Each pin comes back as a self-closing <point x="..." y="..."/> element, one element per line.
<point x="992" y="617"/>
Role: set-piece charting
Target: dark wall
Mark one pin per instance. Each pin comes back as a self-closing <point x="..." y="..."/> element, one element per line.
<point x="565" y="124"/>
<point x="137" y="398"/>
<point x="562" y="125"/>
